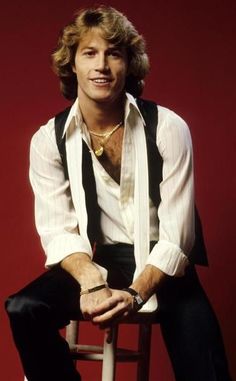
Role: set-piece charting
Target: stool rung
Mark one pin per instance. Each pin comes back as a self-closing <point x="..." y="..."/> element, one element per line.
<point x="95" y="353"/>
<point x="86" y="348"/>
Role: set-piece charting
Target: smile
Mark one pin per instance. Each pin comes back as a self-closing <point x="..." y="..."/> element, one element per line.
<point x="101" y="80"/>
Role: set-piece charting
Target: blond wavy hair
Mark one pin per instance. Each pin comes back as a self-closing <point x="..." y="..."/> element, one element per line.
<point x="115" y="28"/>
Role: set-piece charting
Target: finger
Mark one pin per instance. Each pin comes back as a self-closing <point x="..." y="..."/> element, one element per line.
<point x="108" y="316"/>
<point x="106" y="306"/>
<point x="108" y="324"/>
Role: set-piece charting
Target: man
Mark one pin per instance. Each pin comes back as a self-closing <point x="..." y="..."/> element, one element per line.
<point x="145" y="248"/>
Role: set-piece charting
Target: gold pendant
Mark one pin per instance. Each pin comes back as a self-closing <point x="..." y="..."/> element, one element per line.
<point x="98" y="152"/>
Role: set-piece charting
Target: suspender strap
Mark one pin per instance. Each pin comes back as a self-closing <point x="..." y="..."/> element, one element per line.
<point x="149" y="111"/>
<point x="60" y="121"/>
<point x="89" y="185"/>
<point x="93" y="211"/>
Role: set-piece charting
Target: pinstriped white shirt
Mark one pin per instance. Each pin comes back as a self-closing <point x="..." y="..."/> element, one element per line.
<point x="127" y="213"/>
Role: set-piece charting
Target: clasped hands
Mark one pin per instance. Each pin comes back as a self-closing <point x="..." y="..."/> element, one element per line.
<point x="106" y="307"/>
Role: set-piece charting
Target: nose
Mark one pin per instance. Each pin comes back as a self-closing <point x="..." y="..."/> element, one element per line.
<point x="102" y="62"/>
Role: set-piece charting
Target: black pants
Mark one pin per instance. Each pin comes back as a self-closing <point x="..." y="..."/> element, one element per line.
<point x="187" y="321"/>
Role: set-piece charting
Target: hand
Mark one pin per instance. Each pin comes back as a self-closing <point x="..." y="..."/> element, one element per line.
<point x="81" y="267"/>
<point x="113" y="309"/>
<point x="89" y="302"/>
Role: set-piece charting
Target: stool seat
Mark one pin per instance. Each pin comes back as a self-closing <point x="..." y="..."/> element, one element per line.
<point x="109" y="353"/>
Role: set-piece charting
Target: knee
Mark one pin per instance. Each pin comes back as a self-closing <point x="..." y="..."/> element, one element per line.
<point x="15" y="306"/>
<point x="20" y="307"/>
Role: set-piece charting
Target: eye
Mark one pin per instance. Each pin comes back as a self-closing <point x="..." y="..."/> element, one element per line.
<point x="115" y="53"/>
<point x="89" y="53"/>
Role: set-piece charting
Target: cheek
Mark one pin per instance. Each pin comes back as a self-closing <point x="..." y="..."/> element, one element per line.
<point x="124" y="74"/>
<point x="75" y="67"/>
<point x="122" y="71"/>
<point x="125" y="70"/>
<point x="80" y="70"/>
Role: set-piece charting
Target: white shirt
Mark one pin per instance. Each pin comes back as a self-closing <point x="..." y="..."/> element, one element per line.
<point x="127" y="213"/>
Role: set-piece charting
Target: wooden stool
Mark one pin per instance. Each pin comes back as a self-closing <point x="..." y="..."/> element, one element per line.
<point x="109" y="354"/>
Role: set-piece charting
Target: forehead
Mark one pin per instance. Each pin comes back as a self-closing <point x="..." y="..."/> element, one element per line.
<point x="94" y="37"/>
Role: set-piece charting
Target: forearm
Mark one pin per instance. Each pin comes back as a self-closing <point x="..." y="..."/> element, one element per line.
<point x="81" y="267"/>
<point x="148" y="281"/>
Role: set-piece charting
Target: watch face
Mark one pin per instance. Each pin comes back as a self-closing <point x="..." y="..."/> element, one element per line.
<point x="139" y="300"/>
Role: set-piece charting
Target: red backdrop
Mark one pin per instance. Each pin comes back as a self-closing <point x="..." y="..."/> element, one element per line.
<point x="192" y="51"/>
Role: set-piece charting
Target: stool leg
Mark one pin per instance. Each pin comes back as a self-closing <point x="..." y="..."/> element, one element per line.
<point x="109" y="357"/>
<point x="144" y="345"/>
<point x="72" y="332"/>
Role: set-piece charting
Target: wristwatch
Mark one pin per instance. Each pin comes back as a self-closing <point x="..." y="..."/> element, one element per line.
<point x="138" y="302"/>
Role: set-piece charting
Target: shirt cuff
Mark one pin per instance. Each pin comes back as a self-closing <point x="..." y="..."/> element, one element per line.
<point x="64" y="245"/>
<point x="169" y="258"/>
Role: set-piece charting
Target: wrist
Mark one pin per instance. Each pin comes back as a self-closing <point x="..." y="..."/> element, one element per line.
<point x="81" y="267"/>
<point x="93" y="289"/>
<point x="138" y="301"/>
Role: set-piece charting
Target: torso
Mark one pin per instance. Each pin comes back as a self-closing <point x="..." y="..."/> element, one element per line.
<point x="111" y="157"/>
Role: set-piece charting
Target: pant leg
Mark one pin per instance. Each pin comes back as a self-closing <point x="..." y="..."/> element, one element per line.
<point x="191" y="331"/>
<point x="36" y="314"/>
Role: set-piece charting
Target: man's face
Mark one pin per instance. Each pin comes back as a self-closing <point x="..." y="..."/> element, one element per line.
<point x="100" y="67"/>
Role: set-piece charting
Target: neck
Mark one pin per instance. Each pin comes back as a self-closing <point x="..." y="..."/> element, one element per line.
<point x="100" y="117"/>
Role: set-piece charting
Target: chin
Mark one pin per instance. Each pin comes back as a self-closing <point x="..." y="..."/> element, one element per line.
<point x="103" y="99"/>
<point x="106" y="98"/>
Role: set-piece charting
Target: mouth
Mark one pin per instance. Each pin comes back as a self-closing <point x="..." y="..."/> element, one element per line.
<point x="101" y="81"/>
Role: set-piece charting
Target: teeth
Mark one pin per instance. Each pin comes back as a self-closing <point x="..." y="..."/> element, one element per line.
<point x="101" y="80"/>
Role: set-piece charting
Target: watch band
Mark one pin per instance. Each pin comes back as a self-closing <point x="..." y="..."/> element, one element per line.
<point x="138" y="302"/>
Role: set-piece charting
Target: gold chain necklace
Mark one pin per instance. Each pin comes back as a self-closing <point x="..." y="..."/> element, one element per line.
<point x="105" y="137"/>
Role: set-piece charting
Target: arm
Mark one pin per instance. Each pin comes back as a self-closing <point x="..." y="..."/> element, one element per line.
<point x="55" y="217"/>
<point x="176" y="209"/>
<point x="56" y="220"/>
<point x="169" y="257"/>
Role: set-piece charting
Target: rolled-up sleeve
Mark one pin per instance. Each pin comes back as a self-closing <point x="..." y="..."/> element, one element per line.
<point x="176" y="209"/>
<point x="55" y="217"/>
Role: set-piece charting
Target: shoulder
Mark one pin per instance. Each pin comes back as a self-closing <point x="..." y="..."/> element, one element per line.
<point x="172" y="131"/>
<point x="44" y="137"/>
<point x="61" y="119"/>
<point x="169" y="118"/>
<point x="166" y="118"/>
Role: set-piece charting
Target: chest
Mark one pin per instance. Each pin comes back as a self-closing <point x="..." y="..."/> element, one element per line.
<point x="110" y="158"/>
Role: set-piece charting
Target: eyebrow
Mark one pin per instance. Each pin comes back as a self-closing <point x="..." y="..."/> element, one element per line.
<point x="111" y="48"/>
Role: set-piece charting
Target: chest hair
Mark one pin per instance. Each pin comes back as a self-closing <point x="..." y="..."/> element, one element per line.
<point x="111" y="157"/>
